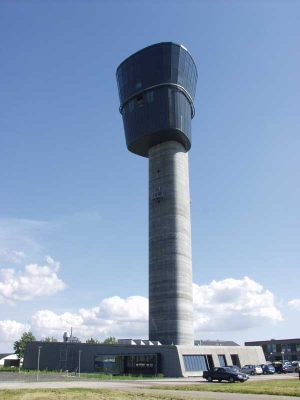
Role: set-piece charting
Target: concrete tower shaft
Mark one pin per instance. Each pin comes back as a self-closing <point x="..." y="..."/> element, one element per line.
<point x="170" y="260"/>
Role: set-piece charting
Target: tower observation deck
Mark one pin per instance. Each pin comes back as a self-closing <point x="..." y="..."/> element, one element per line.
<point x="157" y="89"/>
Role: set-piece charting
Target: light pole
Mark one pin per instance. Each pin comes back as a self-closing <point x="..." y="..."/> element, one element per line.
<point x="79" y="357"/>
<point x="271" y="356"/>
<point x="38" y="363"/>
<point x="282" y="354"/>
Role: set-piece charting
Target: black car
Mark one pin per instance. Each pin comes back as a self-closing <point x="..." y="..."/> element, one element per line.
<point x="283" y="368"/>
<point x="224" y="374"/>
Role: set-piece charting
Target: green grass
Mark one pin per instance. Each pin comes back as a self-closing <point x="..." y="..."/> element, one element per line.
<point x="79" y="394"/>
<point x="286" y="387"/>
<point x="119" y="377"/>
<point x="9" y="369"/>
<point x="27" y="371"/>
<point x="95" y="375"/>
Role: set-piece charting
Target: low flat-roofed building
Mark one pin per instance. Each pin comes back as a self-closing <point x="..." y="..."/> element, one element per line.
<point x="208" y="342"/>
<point x="279" y="349"/>
<point x="9" y="360"/>
<point x="137" y="359"/>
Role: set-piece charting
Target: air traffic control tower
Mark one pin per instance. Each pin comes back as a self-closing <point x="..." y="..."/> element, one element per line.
<point x="157" y="88"/>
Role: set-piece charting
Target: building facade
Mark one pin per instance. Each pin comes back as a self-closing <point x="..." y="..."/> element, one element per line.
<point x="137" y="359"/>
<point x="279" y="349"/>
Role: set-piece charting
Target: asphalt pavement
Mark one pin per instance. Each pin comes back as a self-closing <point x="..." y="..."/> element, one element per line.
<point x="62" y="381"/>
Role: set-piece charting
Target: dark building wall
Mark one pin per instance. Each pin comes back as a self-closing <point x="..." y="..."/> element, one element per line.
<point x="279" y="349"/>
<point x="65" y="356"/>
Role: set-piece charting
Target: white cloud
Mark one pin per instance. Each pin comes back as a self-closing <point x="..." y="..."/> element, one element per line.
<point x="294" y="304"/>
<point x="228" y="305"/>
<point x="33" y="281"/>
<point x="10" y="331"/>
<point x="113" y="317"/>
<point x="46" y="322"/>
<point x="233" y="304"/>
<point x="134" y="308"/>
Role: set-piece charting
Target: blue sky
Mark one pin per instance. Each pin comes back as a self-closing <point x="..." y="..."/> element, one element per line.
<point x="73" y="215"/>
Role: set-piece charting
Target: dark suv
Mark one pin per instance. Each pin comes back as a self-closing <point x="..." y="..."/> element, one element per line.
<point x="282" y="368"/>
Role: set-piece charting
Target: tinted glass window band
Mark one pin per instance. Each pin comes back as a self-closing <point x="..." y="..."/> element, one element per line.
<point x="180" y="88"/>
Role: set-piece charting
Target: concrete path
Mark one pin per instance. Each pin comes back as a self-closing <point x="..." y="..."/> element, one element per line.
<point x="142" y="387"/>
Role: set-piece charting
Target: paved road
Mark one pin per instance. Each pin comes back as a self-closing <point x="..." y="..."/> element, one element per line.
<point x="142" y="386"/>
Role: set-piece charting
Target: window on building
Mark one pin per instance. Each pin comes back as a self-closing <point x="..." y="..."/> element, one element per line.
<point x="222" y="360"/>
<point x="108" y="364"/>
<point x="131" y="105"/>
<point x="150" y="96"/>
<point x="235" y="360"/>
<point x="297" y="346"/>
<point x="271" y="348"/>
<point x="146" y="364"/>
<point x="195" y="363"/>
<point x="128" y="364"/>
<point x="210" y="361"/>
<point x="284" y="347"/>
<point x="140" y="100"/>
<point x="157" y="194"/>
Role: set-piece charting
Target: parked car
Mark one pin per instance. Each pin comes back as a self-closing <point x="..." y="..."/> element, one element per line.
<point x="288" y="367"/>
<point x="252" y="369"/>
<point x="295" y="364"/>
<point x="278" y="367"/>
<point x="283" y="368"/>
<point x="237" y="369"/>
<point x="268" y="369"/>
<point x="224" y="374"/>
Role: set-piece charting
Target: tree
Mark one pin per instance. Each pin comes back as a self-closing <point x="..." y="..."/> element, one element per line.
<point x="92" y="341"/>
<point x="20" y="345"/>
<point x="110" y="340"/>
<point x="50" y="339"/>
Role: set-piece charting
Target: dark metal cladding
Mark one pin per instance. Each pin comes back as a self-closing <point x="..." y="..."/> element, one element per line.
<point x="156" y="89"/>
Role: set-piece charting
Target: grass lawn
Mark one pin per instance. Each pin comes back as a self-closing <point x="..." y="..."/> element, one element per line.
<point x="79" y="394"/>
<point x="287" y="387"/>
<point x="119" y="377"/>
<point x="90" y="375"/>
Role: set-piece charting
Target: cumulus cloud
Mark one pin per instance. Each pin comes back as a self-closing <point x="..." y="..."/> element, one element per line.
<point x="230" y="304"/>
<point x="10" y="331"/>
<point x="33" y="281"/>
<point x="113" y="317"/>
<point x="294" y="304"/>
<point x="233" y="304"/>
